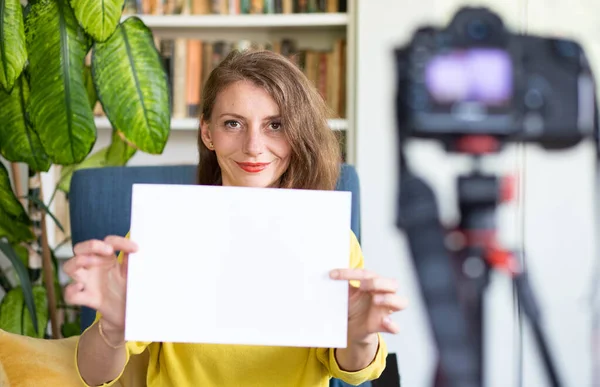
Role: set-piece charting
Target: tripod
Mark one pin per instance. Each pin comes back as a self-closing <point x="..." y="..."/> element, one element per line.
<point x="453" y="267"/>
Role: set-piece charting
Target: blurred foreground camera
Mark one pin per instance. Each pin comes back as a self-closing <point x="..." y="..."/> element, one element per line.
<point x="474" y="77"/>
<point x="475" y="86"/>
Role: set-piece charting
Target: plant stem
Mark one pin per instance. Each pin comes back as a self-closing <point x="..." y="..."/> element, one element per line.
<point x="34" y="262"/>
<point x="48" y="271"/>
<point x="53" y="195"/>
<point x="16" y="175"/>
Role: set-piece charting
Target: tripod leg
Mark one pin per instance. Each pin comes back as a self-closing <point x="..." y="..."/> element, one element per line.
<point x="438" y="380"/>
<point x="529" y="305"/>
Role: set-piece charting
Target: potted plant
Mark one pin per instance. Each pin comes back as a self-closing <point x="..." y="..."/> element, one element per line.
<point x="47" y="95"/>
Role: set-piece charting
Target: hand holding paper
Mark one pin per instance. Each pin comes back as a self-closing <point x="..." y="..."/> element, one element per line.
<point x="100" y="281"/>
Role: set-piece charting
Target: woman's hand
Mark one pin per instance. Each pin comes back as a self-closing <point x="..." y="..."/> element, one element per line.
<point x="370" y="305"/>
<point x="99" y="280"/>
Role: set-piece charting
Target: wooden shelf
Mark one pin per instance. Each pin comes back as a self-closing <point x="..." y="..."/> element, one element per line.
<point x="338" y="124"/>
<point x="245" y="21"/>
<point x="64" y="252"/>
<point x="191" y="124"/>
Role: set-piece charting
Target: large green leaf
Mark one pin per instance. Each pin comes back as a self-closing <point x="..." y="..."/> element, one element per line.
<point x="18" y="257"/>
<point x="13" y="54"/>
<point x="14" y="222"/>
<point x="120" y="151"/>
<point x="26" y="288"/>
<point x="66" y="173"/>
<point x="18" y="141"/>
<point x="59" y="106"/>
<point x="98" y="18"/>
<point x="117" y="154"/>
<point x="89" y="86"/>
<point x="22" y="253"/>
<point x="71" y="328"/>
<point x="132" y="85"/>
<point x="37" y="328"/>
<point x="96" y="160"/>
<point x="16" y="318"/>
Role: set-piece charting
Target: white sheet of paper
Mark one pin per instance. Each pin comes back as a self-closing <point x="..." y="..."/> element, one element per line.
<point x="236" y="265"/>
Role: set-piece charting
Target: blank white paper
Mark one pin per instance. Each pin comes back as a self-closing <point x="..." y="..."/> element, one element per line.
<point x="238" y="265"/>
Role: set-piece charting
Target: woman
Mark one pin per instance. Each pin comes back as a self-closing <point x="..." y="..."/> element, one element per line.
<point x="263" y="125"/>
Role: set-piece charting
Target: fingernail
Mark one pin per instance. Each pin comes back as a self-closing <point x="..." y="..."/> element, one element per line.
<point x="334" y="274"/>
<point x="378" y="299"/>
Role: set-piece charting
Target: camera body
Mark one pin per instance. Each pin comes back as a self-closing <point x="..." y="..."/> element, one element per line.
<point x="475" y="77"/>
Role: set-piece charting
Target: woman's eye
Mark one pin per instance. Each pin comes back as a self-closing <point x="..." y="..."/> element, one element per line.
<point x="275" y="125"/>
<point x="232" y="124"/>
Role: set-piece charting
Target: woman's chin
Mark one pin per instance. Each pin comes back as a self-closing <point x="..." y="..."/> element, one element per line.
<point x="255" y="181"/>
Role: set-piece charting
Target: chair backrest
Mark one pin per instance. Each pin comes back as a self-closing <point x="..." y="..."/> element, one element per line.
<point x="100" y="201"/>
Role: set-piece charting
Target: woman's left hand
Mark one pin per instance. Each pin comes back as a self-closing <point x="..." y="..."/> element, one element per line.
<point x="370" y="306"/>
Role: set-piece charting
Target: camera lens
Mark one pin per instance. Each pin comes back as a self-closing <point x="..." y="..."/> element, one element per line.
<point x="478" y="30"/>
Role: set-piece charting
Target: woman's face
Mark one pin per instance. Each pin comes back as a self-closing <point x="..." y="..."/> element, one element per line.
<point x="246" y="134"/>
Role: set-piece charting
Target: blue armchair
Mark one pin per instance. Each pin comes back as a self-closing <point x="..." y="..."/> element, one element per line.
<point x="100" y="204"/>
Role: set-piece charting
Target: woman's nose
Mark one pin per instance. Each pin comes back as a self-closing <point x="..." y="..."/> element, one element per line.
<point x="253" y="143"/>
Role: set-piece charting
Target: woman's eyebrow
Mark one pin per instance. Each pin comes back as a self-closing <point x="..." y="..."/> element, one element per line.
<point x="275" y="117"/>
<point x="268" y="118"/>
<point x="232" y="115"/>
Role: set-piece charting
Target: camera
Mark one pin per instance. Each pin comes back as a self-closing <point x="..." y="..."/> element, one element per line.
<point x="475" y="77"/>
<point x="475" y="86"/>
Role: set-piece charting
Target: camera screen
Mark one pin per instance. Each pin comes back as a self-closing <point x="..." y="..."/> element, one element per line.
<point x="478" y="75"/>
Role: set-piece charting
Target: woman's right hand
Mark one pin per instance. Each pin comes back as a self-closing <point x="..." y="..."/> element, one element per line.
<point x="99" y="280"/>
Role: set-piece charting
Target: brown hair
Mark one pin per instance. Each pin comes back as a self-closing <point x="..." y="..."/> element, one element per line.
<point x="315" y="159"/>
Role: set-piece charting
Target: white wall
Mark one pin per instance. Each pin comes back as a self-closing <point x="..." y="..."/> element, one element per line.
<point x="556" y="203"/>
<point x="181" y="148"/>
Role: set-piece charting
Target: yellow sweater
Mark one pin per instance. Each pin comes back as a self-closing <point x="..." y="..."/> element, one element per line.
<point x="180" y="365"/>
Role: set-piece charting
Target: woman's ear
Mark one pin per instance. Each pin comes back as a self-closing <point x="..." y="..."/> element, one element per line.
<point x="205" y="133"/>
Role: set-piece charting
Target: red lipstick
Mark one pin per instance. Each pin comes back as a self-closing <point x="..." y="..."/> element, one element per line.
<point x="253" y="167"/>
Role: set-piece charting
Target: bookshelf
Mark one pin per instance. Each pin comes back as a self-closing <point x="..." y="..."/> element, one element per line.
<point x="314" y="32"/>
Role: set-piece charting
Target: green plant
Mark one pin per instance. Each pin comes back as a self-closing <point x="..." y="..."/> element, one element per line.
<point x="47" y="95"/>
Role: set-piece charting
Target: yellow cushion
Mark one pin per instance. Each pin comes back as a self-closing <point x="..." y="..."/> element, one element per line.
<point x="31" y="362"/>
<point x="27" y="361"/>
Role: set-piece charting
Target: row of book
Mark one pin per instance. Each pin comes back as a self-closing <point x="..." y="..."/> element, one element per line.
<point x="232" y="7"/>
<point x="188" y="63"/>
